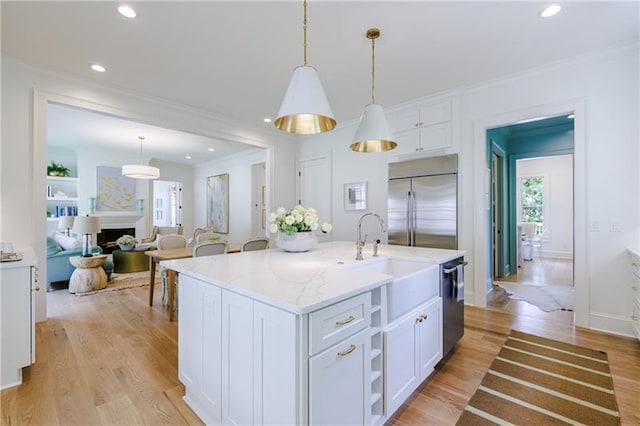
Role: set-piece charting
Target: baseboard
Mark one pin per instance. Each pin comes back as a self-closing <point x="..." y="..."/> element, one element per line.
<point x="566" y="255"/>
<point x="614" y="324"/>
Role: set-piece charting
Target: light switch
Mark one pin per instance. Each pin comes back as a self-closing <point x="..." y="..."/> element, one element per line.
<point x="614" y="226"/>
<point x="595" y="226"/>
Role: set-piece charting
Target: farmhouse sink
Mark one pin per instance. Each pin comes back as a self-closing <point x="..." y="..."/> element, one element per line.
<point x="414" y="282"/>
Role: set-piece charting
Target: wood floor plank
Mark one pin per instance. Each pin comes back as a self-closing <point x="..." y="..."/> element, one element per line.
<point x="110" y="359"/>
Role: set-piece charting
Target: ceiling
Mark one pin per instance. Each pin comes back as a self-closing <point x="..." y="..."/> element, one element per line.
<point x="235" y="58"/>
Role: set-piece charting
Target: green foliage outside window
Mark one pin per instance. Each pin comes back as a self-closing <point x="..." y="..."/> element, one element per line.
<point x="532" y="200"/>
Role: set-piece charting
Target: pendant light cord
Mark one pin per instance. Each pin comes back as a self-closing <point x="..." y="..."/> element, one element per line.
<point x="141" y="139"/>
<point x="373" y="70"/>
<point x="304" y="27"/>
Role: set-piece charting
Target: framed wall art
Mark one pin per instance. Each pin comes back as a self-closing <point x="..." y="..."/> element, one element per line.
<point x="355" y="196"/>
<point x="218" y="203"/>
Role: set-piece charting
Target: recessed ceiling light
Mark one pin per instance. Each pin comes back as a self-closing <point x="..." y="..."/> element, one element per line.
<point x="267" y="120"/>
<point x="211" y="149"/>
<point x="549" y="11"/>
<point x="98" y="68"/>
<point x="127" y="11"/>
<point x="188" y="157"/>
<point x="571" y="116"/>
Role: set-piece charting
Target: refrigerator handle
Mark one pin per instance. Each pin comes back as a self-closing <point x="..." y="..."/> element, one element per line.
<point x="409" y="218"/>
<point x="414" y="221"/>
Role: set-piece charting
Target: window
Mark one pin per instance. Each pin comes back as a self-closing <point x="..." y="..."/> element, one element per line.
<point x="532" y="193"/>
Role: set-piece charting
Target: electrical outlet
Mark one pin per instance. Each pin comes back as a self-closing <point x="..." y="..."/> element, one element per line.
<point x="614" y="226"/>
<point x="595" y="226"/>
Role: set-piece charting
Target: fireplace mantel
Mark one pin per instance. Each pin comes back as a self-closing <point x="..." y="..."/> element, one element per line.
<point x="115" y="220"/>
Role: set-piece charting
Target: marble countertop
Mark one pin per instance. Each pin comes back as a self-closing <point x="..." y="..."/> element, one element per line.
<point x="635" y="251"/>
<point x="300" y="282"/>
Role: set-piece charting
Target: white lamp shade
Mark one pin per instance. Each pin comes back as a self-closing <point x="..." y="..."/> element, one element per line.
<point x="373" y="133"/>
<point x="65" y="222"/>
<point x="140" y="171"/>
<point x="305" y="109"/>
<point x="86" y="225"/>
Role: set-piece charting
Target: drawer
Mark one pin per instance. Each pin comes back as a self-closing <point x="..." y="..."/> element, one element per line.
<point x="330" y="325"/>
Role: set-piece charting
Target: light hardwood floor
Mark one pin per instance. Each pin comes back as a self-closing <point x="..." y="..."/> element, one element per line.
<point x="109" y="359"/>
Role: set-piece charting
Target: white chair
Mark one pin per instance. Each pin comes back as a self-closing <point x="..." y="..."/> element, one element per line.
<point x="166" y="242"/>
<point x="192" y="241"/>
<point x="528" y="235"/>
<point x="210" y="248"/>
<point x="536" y="244"/>
<point x="207" y="237"/>
<point x="259" y="243"/>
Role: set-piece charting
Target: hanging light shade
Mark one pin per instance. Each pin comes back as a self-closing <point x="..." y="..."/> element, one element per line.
<point x="305" y="109"/>
<point x="140" y="171"/>
<point x="373" y="133"/>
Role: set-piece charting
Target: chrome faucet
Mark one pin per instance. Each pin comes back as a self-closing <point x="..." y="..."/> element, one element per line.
<point x="360" y="242"/>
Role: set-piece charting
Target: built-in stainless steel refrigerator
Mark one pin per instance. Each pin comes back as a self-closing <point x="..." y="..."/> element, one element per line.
<point x="423" y="213"/>
<point x="423" y="202"/>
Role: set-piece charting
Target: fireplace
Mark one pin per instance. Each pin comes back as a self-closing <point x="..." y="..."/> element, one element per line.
<point x="107" y="238"/>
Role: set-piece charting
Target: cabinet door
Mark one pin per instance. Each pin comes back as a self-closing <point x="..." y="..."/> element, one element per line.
<point x="15" y="313"/>
<point x="401" y="375"/>
<point x="211" y="355"/>
<point x="437" y="136"/>
<point x="339" y="383"/>
<point x="199" y="338"/>
<point x="429" y="337"/>
<point x="400" y="121"/>
<point x="237" y="359"/>
<point x="275" y="366"/>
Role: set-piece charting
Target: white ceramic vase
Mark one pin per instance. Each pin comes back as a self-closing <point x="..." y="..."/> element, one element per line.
<point x="298" y="242"/>
<point x="126" y="247"/>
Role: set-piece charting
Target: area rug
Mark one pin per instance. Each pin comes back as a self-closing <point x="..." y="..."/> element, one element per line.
<point x="123" y="281"/>
<point x="538" y="381"/>
<point x="548" y="297"/>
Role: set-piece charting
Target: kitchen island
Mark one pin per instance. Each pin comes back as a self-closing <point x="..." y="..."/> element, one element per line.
<point x="269" y="337"/>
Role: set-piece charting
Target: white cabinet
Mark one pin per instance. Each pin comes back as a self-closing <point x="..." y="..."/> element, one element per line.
<point x="62" y="196"/>
<point x="199" y="356"/>
<point x="424" y="129"/>
<point x="18" y="280"/>
<point x="236" y="357"/>
<point x="413" y="346"/>
<point x="635" y="292"/>
<point x="339" y="381"/>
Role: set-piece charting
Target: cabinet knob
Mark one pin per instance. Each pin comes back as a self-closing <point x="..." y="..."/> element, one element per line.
<point x="347" y="321"/>
<point x="348" y="351"/>
<point x="634" y="317"/>
<point x="421" y="318"/>
<point x="37" y="288"/>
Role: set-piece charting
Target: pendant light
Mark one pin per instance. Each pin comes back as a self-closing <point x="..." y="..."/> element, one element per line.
<point x="373" y="133"/>
<point x="140" y="171"/>
<point x="305" y="109"/>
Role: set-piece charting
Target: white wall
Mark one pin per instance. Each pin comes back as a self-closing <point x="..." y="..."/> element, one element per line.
<point x="26" y="90"/>
<point x="239" y="169"/>
<point x="602" y="89"/>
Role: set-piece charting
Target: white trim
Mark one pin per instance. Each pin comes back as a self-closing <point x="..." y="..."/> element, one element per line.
<point x="613" y="324"/>
<point x="581" y="244"/>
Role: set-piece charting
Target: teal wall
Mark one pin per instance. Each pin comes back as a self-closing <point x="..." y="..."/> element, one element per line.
<point x="549" y="137"/>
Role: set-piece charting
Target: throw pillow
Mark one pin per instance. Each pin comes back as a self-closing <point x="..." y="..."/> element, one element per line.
<point x="67" y="243"/>
<point x="52" y="247"/>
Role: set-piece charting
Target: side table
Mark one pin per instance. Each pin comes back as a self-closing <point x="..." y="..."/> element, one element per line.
<point x="125" y="262"/>
<point x="89" y="275"/>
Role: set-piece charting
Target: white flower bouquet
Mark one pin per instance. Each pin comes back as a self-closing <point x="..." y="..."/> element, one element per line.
<point x="298" y="219"/>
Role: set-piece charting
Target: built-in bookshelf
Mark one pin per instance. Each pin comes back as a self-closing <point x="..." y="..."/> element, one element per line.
<point x="62" y="197"/>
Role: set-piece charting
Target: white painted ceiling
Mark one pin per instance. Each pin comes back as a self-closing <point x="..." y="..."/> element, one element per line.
<point x="235" y="58"/>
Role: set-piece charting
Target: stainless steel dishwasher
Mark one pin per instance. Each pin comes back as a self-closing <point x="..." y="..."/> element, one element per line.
<point x="452" y="293"/>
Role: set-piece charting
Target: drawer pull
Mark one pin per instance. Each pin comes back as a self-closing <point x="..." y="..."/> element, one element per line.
<point x="348" y="351"/>
<point x="347" y="321"/>
<point x="421" y="318"/>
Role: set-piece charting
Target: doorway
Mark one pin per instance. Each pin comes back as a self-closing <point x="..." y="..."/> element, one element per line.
<point x="258" y="199"/>
<point x="167" y="203"/>
<point x="533" y="243"/>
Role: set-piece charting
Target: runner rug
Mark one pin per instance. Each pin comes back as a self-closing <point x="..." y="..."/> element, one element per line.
<point x="538" y="381"/>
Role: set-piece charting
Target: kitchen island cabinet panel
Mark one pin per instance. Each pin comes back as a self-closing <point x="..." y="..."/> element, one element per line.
<point x="340" y="387"/>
